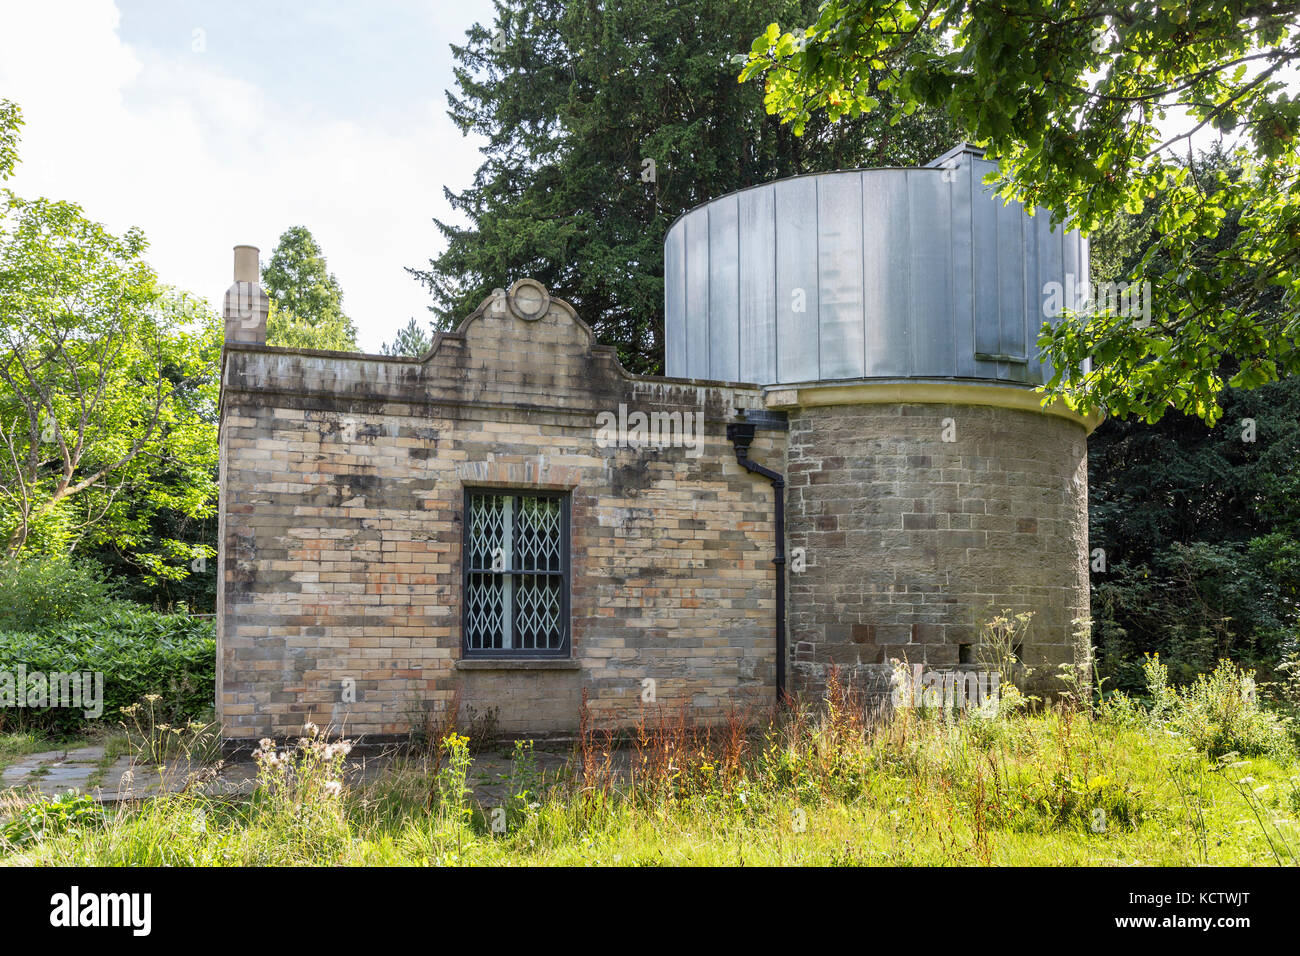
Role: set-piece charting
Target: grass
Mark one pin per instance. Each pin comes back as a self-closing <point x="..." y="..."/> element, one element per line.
<point x="1068" y="785"/>
<point x="20" y="744"/>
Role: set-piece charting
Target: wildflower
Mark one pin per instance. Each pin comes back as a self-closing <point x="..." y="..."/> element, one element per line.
<point x="340" y="749"/>
<point x="333" y="788"/>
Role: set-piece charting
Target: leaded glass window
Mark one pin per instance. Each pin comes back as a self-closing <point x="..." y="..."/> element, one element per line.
<point x="516" y="574"/>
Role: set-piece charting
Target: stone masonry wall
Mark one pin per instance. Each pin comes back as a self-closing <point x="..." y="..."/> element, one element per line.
<point x="913" y="541"/>
<point x="342" y="482"/>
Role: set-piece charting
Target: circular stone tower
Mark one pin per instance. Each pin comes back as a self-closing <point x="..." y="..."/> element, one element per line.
<point x="892" y="314"/>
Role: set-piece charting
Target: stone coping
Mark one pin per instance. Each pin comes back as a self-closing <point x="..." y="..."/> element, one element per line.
<point x="923" y="392"/>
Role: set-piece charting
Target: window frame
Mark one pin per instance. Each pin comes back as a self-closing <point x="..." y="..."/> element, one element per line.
<point x="564" y="651"/>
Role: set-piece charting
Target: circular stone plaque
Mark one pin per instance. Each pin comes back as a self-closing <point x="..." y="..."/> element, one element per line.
<point x="528" y="299"/>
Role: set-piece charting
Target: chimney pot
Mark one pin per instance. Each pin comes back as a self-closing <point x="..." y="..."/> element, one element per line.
<point x="246" y="306"/>
<point x="246" y="264"/>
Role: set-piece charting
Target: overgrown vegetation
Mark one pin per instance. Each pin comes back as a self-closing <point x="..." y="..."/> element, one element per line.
<point x="63" y="616"/>
<point x="136" y="650"/>
<point x="108" y="398"/>
<point x="52" y="592"/>
<point x="1079" y="782"/>
<point x="1218" y="714"/>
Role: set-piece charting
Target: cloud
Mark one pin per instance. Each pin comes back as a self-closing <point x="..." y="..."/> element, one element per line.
<point x="203" y="160"/>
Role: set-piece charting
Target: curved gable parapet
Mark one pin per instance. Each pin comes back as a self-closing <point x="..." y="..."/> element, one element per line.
<point x="527" y="308"/>
<point x="520" y="347"/>
<point x="529" y="311"/>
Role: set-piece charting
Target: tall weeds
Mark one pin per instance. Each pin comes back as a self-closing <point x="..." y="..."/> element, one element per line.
<point x="846" y="774"/>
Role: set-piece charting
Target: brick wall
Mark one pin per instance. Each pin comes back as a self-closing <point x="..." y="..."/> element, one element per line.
<point x="912" y="541"/>
<point x="342" y="481"/>
<point x="343" y="478"/>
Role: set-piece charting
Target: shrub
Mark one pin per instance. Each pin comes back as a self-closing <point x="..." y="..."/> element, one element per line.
<point x="36" y="821"/>
<point x="139" y="652"/>
<point x="40" y="593"/>
<point x="1218" y="714"/>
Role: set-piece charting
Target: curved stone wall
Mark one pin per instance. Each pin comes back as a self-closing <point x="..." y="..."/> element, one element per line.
<point x="918" y="522"/>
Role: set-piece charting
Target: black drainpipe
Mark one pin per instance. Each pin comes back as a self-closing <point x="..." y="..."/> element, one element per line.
<point x="741" y="436"/>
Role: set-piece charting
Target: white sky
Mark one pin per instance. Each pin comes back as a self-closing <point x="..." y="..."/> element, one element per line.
<point x="272" y="116"/>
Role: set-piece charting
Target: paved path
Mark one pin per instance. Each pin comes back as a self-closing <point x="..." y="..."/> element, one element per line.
<point x="88" y="770"/>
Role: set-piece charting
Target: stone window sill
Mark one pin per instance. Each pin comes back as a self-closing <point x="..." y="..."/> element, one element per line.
<point x="516" y="664"/>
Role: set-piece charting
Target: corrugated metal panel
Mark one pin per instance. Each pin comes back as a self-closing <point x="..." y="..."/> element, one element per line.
<point x="797" y="308"/>
<point x="984" y="233"/>
<point x="885" y="224"/>
<point x="758" y="285"/>
<point x="1013" y="230"/>
<point x="1052" y="266"/>
<point x="931" y="306"/>
<point x="697" y="297"/>
<point x="963" y="273"/>
<point x="840" y="327"/>
<point x="724" y="289"/>
<point x="881" y="273"/>
<point x="675" y="301"/>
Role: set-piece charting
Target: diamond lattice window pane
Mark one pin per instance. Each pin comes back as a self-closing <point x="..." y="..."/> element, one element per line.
<point x="538" y="624"/>
<point x="485" y="611"/>
<point x="487" y="519"/>
<point x="538" y="546"/>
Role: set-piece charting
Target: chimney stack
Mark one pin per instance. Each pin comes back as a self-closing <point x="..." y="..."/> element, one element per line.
<point x="246" y="305"/>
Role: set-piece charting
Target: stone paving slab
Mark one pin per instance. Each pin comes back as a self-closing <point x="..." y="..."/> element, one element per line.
<point x="18" y="771"/>
<point x="54" y="772"/>
<point x="48" y="757"/>
<point x="84" y="755"/>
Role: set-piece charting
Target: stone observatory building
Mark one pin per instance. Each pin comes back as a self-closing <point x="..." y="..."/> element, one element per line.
<point x="846" y="465"/>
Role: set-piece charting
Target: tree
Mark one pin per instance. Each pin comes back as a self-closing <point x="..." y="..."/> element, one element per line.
<point x="604" y="123"/>
<point x="1200" y="530"/>
<point x="1199" y="527"/>
<point x="306" y="301"/>
<point x="11" y="119"/>
<point x="1089" y="108"/>
<point x="287" y="330"/>
<point x="411" y="340"/>
<point x="108" y="389"/>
